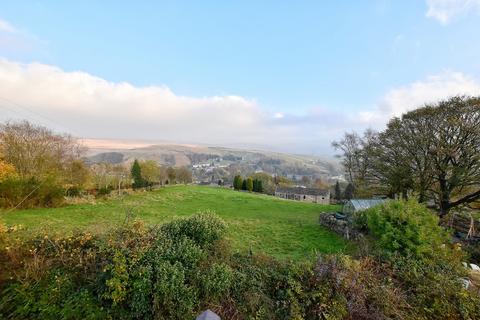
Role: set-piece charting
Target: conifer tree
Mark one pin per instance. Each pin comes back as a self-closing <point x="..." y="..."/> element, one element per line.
<point x="338" y="192"/>
<point x="136" y="173"/>
<point x="259" y="186"/>
<point x="349" y="191"/>
<point x="237" y="182"/>
<point x="244" y="184"/>
<point x="249" y="184"/>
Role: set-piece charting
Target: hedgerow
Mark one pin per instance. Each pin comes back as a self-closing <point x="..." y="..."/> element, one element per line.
<point x="183" y="267"/>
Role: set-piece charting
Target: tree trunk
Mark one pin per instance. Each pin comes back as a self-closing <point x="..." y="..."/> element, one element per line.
<point x="444" y="197"/>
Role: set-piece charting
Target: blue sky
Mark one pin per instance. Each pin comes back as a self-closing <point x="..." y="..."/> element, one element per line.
<point x="294" y="64"/>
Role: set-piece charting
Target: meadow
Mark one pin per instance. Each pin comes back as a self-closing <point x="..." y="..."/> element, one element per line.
<point x="257" y="223"/>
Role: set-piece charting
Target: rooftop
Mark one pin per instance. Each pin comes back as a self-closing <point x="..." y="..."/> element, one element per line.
<point x="300" y="190"/>
<point x="363" y="204"/>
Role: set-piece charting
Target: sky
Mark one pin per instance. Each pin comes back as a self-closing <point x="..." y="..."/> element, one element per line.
<point x="284" y="76"/>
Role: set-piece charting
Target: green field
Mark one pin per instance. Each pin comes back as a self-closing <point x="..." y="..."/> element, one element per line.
<point x="285" y="229"/>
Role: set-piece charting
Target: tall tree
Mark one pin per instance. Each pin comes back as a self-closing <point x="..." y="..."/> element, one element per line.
<point x="172" y="175"/>
<point x="338" y="192"/>
<point x="249" y="184"/>
<point x="433" y="151"/>
<point x="150" y="172"/>
<point x="184" y="175"/>
<point x="37" y="152"/>
<point x="237" y="182"/>
<point x="136" y="172"/>
<point x="441" y="150"/>
<point x="259" y="186"/>
<point x="356" y="157"/>
<point x="349" y="191"/>
<point x="255" y="185"/>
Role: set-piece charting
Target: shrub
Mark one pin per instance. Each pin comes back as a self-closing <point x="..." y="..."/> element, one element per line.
<point x="405" y="228"/>
<point x="73" y="191"/>
<point x="104" y="191"/>
<point x="407" y="236"/>
<point x="29" y="193"/>
<point x="202" y="228"/>
<point x="216" y="281"/>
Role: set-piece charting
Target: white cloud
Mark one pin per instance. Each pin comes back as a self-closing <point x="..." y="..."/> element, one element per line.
<point x="88" y="106"/>
<point x="5" y="26"/>
<point x="434" y="88"/>
<point x="445" y="10"/>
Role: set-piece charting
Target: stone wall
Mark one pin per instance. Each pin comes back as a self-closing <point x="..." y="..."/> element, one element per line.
<point x="338" y="225"/>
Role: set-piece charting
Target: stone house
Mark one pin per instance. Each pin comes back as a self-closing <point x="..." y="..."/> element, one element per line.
<point x="303" y="194"/>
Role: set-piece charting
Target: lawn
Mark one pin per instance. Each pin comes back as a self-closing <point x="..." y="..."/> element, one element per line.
<point x="283" y="228"/>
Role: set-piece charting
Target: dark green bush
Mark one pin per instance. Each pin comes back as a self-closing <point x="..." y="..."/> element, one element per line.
<point x="73" y="191"/>
<point x="407" y="236"/>
<point x="203" y="229"/>
<point x="104" y="191"/>
<point x="405" y="228"/>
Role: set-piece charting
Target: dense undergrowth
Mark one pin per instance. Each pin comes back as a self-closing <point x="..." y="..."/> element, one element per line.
<point x="183" y="267"/>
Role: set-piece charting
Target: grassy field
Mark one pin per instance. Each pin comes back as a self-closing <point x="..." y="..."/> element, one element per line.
<point x="285" y="229"/>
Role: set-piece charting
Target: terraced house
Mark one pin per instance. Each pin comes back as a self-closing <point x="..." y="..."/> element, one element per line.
<point x="304" y="194"/>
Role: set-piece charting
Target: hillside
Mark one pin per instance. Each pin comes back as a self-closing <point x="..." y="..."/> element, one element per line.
<point x="261" y="223"/>
<point x="219" y="162"/>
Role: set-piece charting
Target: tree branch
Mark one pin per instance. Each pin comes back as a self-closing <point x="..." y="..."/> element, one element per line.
<point x="467" y="199"/>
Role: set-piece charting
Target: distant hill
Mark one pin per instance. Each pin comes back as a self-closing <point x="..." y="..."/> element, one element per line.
<point x="217" y="162"/>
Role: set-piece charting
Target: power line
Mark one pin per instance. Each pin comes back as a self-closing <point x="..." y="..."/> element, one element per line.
<point x="50" y="120"/>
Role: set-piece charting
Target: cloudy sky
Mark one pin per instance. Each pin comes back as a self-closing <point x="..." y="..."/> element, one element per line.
<point x="263" y="74"/>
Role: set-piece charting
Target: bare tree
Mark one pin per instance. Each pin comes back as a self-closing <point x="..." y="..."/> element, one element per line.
<point x="36" y="151"/>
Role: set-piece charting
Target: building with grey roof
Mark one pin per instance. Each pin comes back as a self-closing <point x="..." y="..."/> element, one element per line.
<point x="356" y="205"/>
<point x="303" y="194"/>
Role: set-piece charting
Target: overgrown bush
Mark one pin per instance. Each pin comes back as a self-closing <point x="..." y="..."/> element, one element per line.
<point x="407" y="236"/>
<point x="104" y="191"/>
<point x="30" y="193"/>
<point x="404" y="228"/>
<point x="203" y="229"/>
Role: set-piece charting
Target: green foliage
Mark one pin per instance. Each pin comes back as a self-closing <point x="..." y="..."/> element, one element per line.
<point x="73" y="191"/>
<point x="174" y="298"/>
<point x="216" y="281"/>
<point x="249" y="184"/>
<point x="244" y="185"/>
<point x="287" y="230"/>
<point x="237" y="182"/>
<point x="179" y="270"/>
<point x="104" y="191"/>
<point x="349" y="192"/>
<point x="30" y="193"/>
<point x="338" y="192"/>
<point x="257" y="185"/>
<point x="203" y="229"/>
<point x="408" y="237"/>
<point x="136" y="172"/>
<point x="405" y="228"/>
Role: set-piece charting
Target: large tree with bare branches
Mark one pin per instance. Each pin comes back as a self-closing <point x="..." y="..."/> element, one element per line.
<point x="433" y="150"/>
<point x="37" y="152"/>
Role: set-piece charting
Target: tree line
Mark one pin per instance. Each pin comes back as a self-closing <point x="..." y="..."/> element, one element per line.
<point x="431" y="153"/>
<point x="248" y="184"/>
<point x="149" y="173"/>
<point x="39" y="167"/>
